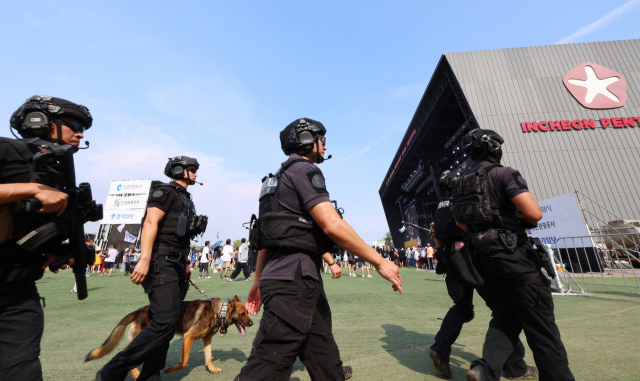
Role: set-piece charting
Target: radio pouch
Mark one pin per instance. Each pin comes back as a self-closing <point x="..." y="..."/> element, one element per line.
<point x="493" y="240"/>
<point x="182" y="225"/>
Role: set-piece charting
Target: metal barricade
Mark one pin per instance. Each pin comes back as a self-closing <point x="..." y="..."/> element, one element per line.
<point x="600" y="259"/>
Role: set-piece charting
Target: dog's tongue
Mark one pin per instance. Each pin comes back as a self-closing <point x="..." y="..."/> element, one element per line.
<point x="242" y="329"/>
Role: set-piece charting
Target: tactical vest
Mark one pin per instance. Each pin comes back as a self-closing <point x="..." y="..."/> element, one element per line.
<point x="444" y="227"/>
<point x="277" y="229"/>
<point x="15" y="223"/>
<point x="183" y="223"/>
<point x="472" y="203"/>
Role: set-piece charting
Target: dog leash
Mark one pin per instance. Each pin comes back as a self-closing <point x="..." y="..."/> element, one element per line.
<point x="199" y="290"/>
<point x="223" y="309"/>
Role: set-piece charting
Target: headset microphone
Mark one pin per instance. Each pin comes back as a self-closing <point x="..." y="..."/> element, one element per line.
<point x="197" y="182"/>
<point x="328" y="157"/>
<point x="86" y="142"/>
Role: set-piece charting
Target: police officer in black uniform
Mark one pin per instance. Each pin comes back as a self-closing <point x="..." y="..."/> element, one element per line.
<point x="493" y="204"/>
<point x="162" y="271"/>
<point x="296" y="228"/>
<point x="461" y="279"/>
<point x="42" y="121"/>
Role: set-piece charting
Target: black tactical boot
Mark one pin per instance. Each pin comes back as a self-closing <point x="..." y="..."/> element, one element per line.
<point x="477" y="373"/>
<point x="530" y="374"/>
<point x="348" y="372"/>
<point x="440" y="363"/>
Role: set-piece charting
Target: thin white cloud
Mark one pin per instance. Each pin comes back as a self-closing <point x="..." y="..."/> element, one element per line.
<point x="368" y="147"/>
<point x="411" y="91"/>
<point x="601" y="22"/>
<point x="365" y="149"/>
<point x="131" y="149"/>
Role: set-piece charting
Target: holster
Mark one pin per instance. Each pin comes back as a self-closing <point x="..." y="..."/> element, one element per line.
<point x="154" y="279"/>
<point x="541" y="257"/>
<point x="462" y="263"/>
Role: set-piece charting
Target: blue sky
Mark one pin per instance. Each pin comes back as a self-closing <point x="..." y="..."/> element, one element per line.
<point x="220" y="80"/>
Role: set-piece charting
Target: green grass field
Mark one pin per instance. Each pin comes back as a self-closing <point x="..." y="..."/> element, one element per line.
<point x="383" y="335"/>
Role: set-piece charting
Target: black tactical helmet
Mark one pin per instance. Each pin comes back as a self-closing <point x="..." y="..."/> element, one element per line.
<point x="37" y="114"/>
<point x="176" y="166"/>
<point x="479" y="144"/>
<point x="300" y="135"/>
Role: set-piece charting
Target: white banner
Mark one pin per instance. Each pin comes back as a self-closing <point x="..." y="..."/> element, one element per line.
<point x="119" y="187"/>
<point x="121" y="202"/>
<point x="120" y="228"/>
<point x="123" y="216"/>
<point x="562" y="217"/>
<point x="128" y="237"/>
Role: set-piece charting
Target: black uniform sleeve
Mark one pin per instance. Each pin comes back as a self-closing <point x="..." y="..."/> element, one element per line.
<point x="13" y="168"/>
<point x="311" y="187"/>
<point x="513" y="182"/>
<point x="161" y="198"/>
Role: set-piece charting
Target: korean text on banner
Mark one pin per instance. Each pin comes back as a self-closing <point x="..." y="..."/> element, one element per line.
<point x="125" y="216"/>
<point x="561" y="217"/>
<point x="118" y="187"/>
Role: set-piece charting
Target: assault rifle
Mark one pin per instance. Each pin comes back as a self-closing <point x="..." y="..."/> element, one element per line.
<point x="340" y="211"/>
<point x="81" y="208"/>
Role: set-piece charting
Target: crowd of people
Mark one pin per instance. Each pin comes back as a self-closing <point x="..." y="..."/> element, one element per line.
<point x="416" y="257"/>
<point x="223" y="258"/>
<point x="106" y="260"/>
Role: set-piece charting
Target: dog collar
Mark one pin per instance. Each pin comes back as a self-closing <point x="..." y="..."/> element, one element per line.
<point x="222" y="317"/>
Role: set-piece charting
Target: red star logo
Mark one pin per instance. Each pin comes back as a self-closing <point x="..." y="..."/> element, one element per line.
<point x="596" y="87"/>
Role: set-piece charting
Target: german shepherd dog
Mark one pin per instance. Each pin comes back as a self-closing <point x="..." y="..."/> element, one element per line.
<point x="199" y="319"/>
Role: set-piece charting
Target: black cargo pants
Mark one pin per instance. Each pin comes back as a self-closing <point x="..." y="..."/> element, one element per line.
<point x="296" y="323"/>
<point x="21" y="326"/>
<point x="520" y="300"/>
<point x="166" y="287"/>
<point x="462" y="312"/>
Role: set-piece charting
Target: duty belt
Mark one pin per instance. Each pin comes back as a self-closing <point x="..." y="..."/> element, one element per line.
<point x="171" y="251"/>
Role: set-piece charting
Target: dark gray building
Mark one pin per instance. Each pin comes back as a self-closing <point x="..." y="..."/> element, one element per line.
<point x="569" y="114"/>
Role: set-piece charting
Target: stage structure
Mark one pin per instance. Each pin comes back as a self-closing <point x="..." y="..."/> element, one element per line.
<point x="123" y="211"/>
<point x="569" y="114"/>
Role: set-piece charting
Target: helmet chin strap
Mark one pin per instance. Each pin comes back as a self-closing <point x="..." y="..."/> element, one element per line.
<point x="58" y="123"/>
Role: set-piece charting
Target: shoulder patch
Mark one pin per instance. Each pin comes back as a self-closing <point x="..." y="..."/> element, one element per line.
<point x="520" y="181"/>
<point x="317" y="181"/>
<point x="159" y="195"/>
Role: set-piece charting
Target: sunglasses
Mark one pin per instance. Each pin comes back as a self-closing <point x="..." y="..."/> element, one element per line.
<point x="76" y="127"/>
<point x="323" y="140"/>
<point x="192" y="170"/>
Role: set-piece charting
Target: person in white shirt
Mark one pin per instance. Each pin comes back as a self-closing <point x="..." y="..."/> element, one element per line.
<point x="110" y="261"/>
<point x="242" y="262"/>
<point x="205" y="258"/>
<point x="226" y="258"/>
